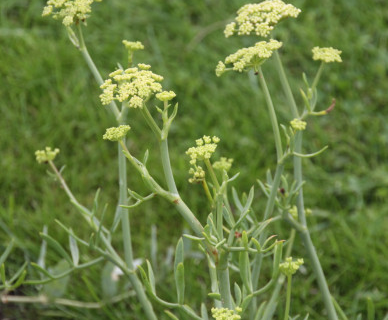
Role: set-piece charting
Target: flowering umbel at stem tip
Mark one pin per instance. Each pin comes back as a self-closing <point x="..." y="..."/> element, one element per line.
<point x="46" y="155"/>
<point x="116" y="133"/>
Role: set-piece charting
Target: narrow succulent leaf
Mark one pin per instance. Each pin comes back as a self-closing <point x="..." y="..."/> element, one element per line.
<point x="263" y="188"/>
<point x="180" y="282"/>
<point x="370" y="309"/>
<point x="305" y="100"/>
<point x="245" y="270"/>
<point x="204" y="314"/>
<point x="277" y="258"/>
<point x="306" y="317"/>
<point x="310" y="155"/>
<point x="19" y="272"/>
<point x="6" y="252"/>
<point x="151" y="277"/>
<point x="179" y="254"/>
<point x="236" y="200"/>
<point x="145" y="157"/>
<point x="171" y="315"/>
<point x="2" y="274"/>
<point x="190" y="312"/>
<point x="269" y="177"/>
<point x="214" y="295"/>
<point x="95" y="201"/>
<point x="261" y="227"/>
<point x="19" y="281"/>
<point x="256" y="244"/>
<point x="42" y="270"/>
<point x="246" y="302"/>
<point x="228" y="216"/>
<point x="237" y="294"/>
<point x="193" y="238"/>
<point x="55" y="244"/>
<point x="234" y="177"/>
<point x="43" y="249"/>
<point x="74" y="250"/>
<point x="260" y="311"/>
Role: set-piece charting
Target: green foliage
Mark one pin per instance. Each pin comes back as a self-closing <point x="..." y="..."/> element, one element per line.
<point x="48" y="97"/>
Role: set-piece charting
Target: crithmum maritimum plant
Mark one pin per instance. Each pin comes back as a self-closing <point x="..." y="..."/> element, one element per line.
<point x="234" y="238"/>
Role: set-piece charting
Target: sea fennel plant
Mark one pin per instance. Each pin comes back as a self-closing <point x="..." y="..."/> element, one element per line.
<point x="235" y="239"/>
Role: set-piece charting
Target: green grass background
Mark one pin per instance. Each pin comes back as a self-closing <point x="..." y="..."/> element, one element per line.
<point x="48" y="97"/>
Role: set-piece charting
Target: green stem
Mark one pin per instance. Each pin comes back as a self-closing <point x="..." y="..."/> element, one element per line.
<point x="224" y="281"/>
<point x="124" y="213"/>
<point x="267" y="213"/>
<point x="94" y="70"/>
<point x="305" y="235"/>
<point x="167" y="166"/>
<point x="317" y="76"/>
<point x="151" y="122"/>
<point x="212" y="174"/>
<point x="288" y="299"/>
<point x="272" y="115"/>
<point x="286" y="86"/>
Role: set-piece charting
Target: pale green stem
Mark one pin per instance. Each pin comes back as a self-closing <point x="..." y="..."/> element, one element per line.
<point x="207" y="191"/>
<point x="272" y="115"/>
<point x="212" y="174"/>
<point x="123" y="190"/>
<point x="271" y="305"/>
<point x="167" y="166"/>
<point x="224" y="281"/>
<point x="288" y="298"/>
<point x="305" y="235"/>
<point x="317" y="76"/>
<point x="286" y="86"/>
<point x="94" y="70"/>
<point x="151" y="122"/>
<point x="267" y="213"/>
<point x="124" y="213"/>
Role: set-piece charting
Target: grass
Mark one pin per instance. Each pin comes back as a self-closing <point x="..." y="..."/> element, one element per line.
<point x="48" y="97"/>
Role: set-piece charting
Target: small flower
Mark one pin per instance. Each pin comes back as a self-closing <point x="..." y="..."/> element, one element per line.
<point x="223" y="164"/>
<point x="206" y="146"/>
<point x="116" y="133"/>
<point x="298" y="124"/>
<point x="289" y="267"/>
<point x="198" y="174"/>
<point x="220" y="69"/>
<point x="252" y="57"/>
<point x="260" y="18"/>
<point x="70" y="11"/>
<point x="46" y="155"/>
<point x="327" y="54"/>
<point x="294" y="212"/>
<point x="133" y="45"/>
<point x="166" y="95"/>
<point x="226" y="314"/>
<point x="135" y="85"/>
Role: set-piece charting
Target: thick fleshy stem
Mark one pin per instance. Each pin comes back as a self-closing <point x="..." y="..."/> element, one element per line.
<point x="97" y="76"/>
<point x="224" y="280"/>
<point x="305" y="235"/>
<point x="272" y="115"/>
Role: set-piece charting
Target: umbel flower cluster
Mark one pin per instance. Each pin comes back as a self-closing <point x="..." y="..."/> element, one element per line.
<point x="327" y="54"/>
<point x="226" y="314"/>
<point x="251" y="57"/>
<point x="289" y="267"/>
<point x="206" y="146"/>
<point x="46" y="155"/>
<point x="70" y="11"/>
<point x="135" y="85"/>
<point x="260" y="18"/>
<point x="116" y="133"/>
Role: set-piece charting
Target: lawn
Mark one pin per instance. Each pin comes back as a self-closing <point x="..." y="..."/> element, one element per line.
<point x="49" y="97"/>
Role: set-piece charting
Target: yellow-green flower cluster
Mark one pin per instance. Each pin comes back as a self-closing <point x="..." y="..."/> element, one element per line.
<point x="133" y="45"/>
<point x="226" y="314"/>
<point x="298" y="124"/>
<point x="198" y="174"/>
<point x="223" y="164"/>
<point x="220" y="69"/>
<point x="253" y="57"/>
<point x="327" y="54"/>
<point x="135" y="85"/>
<point x="116" y="133"/>
<point x="289" y="267"/>
<point x="294" y="212"/>
<point x="46" y="155"/>
<point x="206" y="146"/>
<point x="70" y="11"/>
<point x="166" y="95"/>
<point x="260" y="18"/>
